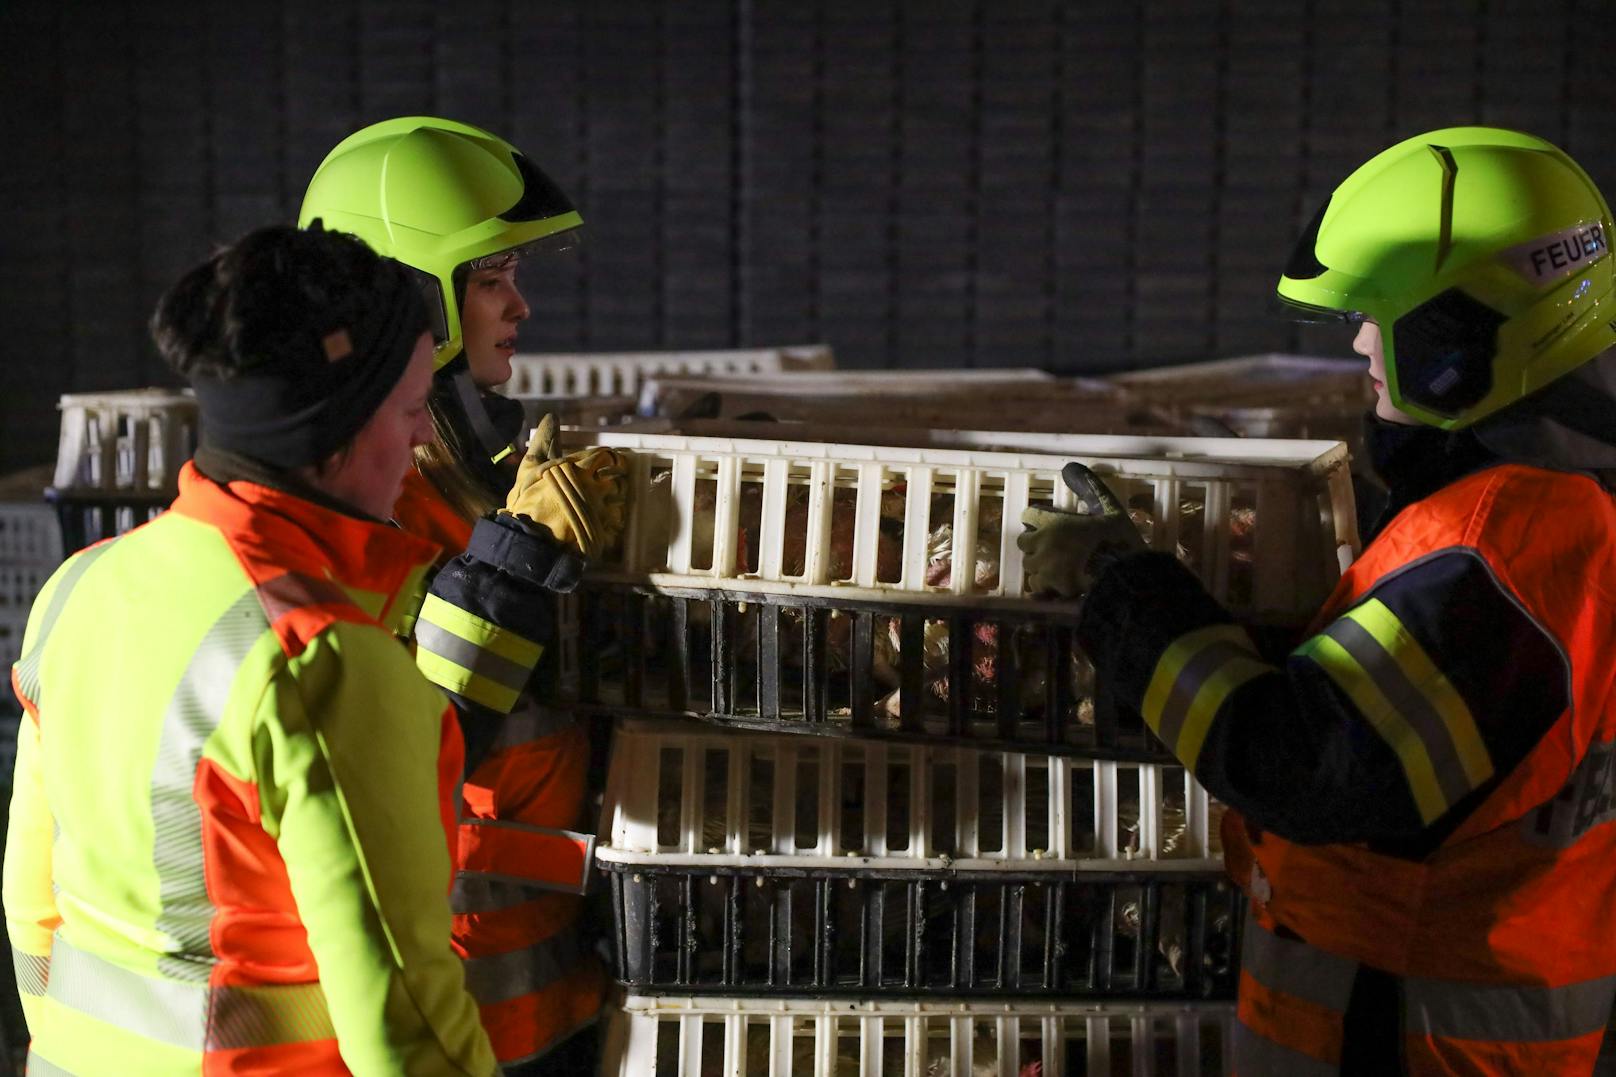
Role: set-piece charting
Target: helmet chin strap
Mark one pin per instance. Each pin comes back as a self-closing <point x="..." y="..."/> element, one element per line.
<point x="494" y="445"/>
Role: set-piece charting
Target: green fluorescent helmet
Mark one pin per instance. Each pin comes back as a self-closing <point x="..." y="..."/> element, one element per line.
<point x="438" y="195"/>
<point x="1484" y="257"/>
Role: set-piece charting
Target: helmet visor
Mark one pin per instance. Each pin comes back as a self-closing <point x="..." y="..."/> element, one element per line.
<point x="554" y="243"/>
<point x="1310" y="314"/>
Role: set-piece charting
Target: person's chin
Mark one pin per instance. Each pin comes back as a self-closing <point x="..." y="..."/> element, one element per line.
<point x="1386" y="411"/>
<point x="492" y="371"/>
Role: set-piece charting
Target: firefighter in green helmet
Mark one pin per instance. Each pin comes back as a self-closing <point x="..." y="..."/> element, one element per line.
<point x="463" y="209"/>
<point x="1422" y="790"/>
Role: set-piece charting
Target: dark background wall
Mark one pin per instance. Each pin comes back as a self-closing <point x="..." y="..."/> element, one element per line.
<point x="1078" y="186"/>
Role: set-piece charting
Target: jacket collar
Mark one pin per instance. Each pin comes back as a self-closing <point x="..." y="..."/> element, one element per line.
<point x="275" y="532"/>
<point x="1569" y="425"/>
<point x="1416" y="461"/>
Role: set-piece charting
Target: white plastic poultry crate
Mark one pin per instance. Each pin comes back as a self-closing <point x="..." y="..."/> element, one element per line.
<point x="1264" y="396"/>
<point x="1274" y="380"/>
<point x="1267" y="524"/>
<point x="119" y="459"/>
<point x="755" y="863"/>
<point x="813" y="587"/>
<point x="717" y="1037"/>
<point x="131" y="440"/>
<point x="1003" y="399"/>
<point x="696" y="796"/>
<point x="621" y="373"/>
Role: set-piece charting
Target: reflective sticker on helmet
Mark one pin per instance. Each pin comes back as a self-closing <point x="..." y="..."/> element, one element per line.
<point x="1558" y="255"/>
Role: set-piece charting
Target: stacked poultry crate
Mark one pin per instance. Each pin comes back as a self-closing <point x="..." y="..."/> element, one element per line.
<point x="1004" y="399"/>
<point x="30" y="550"/>
<point x="574" y="374"/>
<point x="119" y="459"/>
<point x="965" y="866"/>
<point x="602" y="388"/>
<point x="1268" y="396"/>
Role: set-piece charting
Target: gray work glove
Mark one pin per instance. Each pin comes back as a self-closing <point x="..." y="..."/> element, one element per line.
<point x="1065" y="550"/>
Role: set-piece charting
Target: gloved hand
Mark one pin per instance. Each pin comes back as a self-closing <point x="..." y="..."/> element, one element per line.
<point x="580" y="497"/>
<point x="1060" y="546"/>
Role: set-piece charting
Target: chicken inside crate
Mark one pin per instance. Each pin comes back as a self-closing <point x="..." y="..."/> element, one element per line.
<point x="878" y="590"/>
<point x="749" y="862"/>
<point x="711" y="1037"/>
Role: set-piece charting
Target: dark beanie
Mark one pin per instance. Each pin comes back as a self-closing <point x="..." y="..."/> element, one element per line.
<point x="319" y="394"/>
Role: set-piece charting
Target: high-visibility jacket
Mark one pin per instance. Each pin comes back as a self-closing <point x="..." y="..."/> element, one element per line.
<point x="228" y="842"/>
<point x="521" y="864"/>
<point x="1427" y="789"/>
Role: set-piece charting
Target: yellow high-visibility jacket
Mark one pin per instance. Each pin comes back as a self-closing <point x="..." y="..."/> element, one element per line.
<point x="228" y="847"/>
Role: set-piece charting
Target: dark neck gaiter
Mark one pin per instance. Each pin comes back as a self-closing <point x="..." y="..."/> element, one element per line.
<point x="1416" y="461"/>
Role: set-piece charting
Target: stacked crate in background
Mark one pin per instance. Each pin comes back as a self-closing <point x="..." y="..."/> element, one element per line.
<point x="1003" y="399"/>
<point x="1270" y="396"/>
<point x="1274" y="396"/>
<point x="30" y="550"/>
<point x="601" y="388"/>
<point x="569" y="374"/>
<point x="968" y="864"/>
<point x="119" y="459"/>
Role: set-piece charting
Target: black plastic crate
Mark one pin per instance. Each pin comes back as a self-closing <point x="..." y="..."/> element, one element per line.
<point x="738" y="931"/>
<point x="1003" y="678"/>
<point x="88" y="516"/>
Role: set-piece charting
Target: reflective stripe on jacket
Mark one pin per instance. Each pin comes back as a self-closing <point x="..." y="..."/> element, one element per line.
<point x="521" y="865"/>
<point x="1498" y="933"/>
<point x="228" y="848"/>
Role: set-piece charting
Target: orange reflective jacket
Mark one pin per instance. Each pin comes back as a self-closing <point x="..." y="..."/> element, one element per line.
<point x="1500" y="939"/>
<point x="519" y="869"/>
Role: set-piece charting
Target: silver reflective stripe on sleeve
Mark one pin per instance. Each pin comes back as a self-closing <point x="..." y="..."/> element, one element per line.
<point x="464" y="653"/>
<point x="32" y="971"/>
<point x="267" y="1015"/>
<point x="1256" y="1056"/>
<point x="1296" y="968"/>
<point x="501" y="977"/>
<point x="194" y="712"/>
<point x="1510" y="1014"/>
<point x="187" y="1015"/>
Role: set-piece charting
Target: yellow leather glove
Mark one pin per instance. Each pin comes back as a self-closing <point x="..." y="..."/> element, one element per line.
<point x="581" y="497"/>
<point x="1064" y="551"/>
